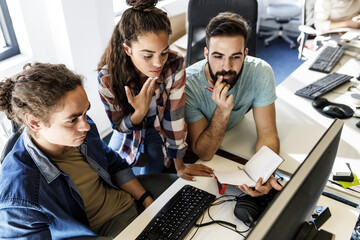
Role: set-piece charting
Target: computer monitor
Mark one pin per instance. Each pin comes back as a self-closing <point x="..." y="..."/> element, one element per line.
<point x="295" y="203"/>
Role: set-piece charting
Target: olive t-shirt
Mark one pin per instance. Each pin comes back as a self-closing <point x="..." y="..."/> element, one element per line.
<point x="102" y="202"/>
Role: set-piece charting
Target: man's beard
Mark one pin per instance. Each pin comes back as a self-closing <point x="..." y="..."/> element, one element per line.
<point x="233" y="77"/>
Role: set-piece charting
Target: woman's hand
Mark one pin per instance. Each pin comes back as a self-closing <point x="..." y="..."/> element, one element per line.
<point x="141" y="102"/>
<point x="188" y="171"/>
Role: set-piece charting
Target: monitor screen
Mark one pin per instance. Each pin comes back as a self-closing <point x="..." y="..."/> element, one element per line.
<point x="294" y="204"/>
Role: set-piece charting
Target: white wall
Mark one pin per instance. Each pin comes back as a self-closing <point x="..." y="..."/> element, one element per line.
<point x="64" y="31"/>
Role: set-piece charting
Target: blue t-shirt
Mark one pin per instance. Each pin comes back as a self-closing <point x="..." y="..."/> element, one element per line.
<point x="255" y="87"/>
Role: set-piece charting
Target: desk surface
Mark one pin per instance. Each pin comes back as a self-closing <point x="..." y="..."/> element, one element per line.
<point x="342" y="229"/>
<point x="299" y="125"/>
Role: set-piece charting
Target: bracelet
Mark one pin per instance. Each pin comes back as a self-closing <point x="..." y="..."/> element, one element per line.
<point x="144" y="196"/>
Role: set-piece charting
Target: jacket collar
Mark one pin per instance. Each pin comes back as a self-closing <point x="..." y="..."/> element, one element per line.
<point x="47" y="168"/>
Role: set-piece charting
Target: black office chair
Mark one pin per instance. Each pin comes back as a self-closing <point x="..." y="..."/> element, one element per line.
<point x="201" y="11"/>
<point x="9" y="145"/>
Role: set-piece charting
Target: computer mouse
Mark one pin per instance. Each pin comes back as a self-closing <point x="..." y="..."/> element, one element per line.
<point x="334" y="111"/>
<point x="320" y="102"/>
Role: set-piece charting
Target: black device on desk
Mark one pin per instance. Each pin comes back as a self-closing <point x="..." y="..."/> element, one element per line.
<point x="287" y="215"/>
<point x="323" y="85"/>
<point x="327" y="59"/>
<point x="178" y="215"/>
<point x="331" y="109"/>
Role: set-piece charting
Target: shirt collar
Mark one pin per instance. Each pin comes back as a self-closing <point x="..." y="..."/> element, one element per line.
<point x="48" y="169"/>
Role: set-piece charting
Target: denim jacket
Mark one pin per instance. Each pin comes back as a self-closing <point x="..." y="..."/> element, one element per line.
<point x="39" y="201"/>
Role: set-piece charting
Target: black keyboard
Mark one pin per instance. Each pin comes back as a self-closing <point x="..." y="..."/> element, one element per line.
<point x="323" y="85"/>
<point x="178" y="215"/>
<point x="327" y="59"/>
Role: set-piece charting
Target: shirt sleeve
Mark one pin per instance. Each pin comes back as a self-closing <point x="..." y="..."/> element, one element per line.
<point x="174" y="125"/>
<point x="23" y="222"/>
<point x="118" y="121"/>
<point x="192" y="109"/>
<point x="265" y="90"/>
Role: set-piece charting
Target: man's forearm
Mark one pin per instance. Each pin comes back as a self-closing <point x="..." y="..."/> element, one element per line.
<point x="271" y="140"/>
<point x="342" y="24"/>
<point x="211" y="138"/>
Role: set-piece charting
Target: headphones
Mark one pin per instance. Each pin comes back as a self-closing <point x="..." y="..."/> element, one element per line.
<point x="248" y="209"/>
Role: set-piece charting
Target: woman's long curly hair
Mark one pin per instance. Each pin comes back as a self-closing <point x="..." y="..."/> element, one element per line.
<point x="142" y="18"/>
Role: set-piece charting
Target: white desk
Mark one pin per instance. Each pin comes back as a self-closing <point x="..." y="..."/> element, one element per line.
<point x="299" y="125"/>
<point x="342" y="229"/>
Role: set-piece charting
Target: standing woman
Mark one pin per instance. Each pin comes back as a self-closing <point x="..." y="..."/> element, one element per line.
<point x="142" y="86"/>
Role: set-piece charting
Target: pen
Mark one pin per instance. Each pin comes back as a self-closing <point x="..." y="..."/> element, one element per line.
<point x="210" y="89"/>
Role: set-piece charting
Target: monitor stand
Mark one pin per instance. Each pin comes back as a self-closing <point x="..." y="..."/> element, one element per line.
<point x="309" y="230"/>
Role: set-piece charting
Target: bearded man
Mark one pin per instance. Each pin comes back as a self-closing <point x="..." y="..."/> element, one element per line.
<point x="223" y="87"/>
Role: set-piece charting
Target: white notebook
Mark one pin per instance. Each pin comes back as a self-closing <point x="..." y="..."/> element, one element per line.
<point x="262" y="164"/>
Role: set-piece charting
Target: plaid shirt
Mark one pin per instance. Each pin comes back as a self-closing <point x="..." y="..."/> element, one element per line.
<point x="169" y="120"/>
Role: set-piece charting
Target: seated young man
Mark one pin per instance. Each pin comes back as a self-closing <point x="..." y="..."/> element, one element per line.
<point x="222" y="88"/>
<point x="61" y="180"/>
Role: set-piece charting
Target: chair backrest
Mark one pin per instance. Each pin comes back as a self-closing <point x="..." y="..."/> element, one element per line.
<point x="308" y="12"/>
<point x="283" y="11"/>
<point x="11" y="141"/>
<point x="9" y="145"/>
<point x="201" y="11"/>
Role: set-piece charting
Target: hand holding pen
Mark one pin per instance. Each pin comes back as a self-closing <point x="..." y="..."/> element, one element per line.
<point x="219" y="95"/>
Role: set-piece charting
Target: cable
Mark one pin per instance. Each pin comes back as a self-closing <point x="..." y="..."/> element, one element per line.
<point x="197" y="229"/>
<point x="221" y="222"/>
<point x="279" y="177"/>
<point x="234" y="230"/>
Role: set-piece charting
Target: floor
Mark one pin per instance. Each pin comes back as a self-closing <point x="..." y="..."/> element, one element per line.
<point x="279" y="54"/>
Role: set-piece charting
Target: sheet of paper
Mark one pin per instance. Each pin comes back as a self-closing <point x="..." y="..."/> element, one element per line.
<point x="237" y="177"/>
<point x="263" y="164"/>
<point x="352" y="34"/>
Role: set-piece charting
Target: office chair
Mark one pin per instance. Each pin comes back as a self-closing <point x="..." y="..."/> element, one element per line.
<point x="201" y="11"/>
<point x="307" y="28"/>
<point x="9" y="145"/>
<point x="282" y="13"/>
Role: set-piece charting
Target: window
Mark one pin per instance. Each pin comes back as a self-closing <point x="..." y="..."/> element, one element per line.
<point x="8" y="43"/>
